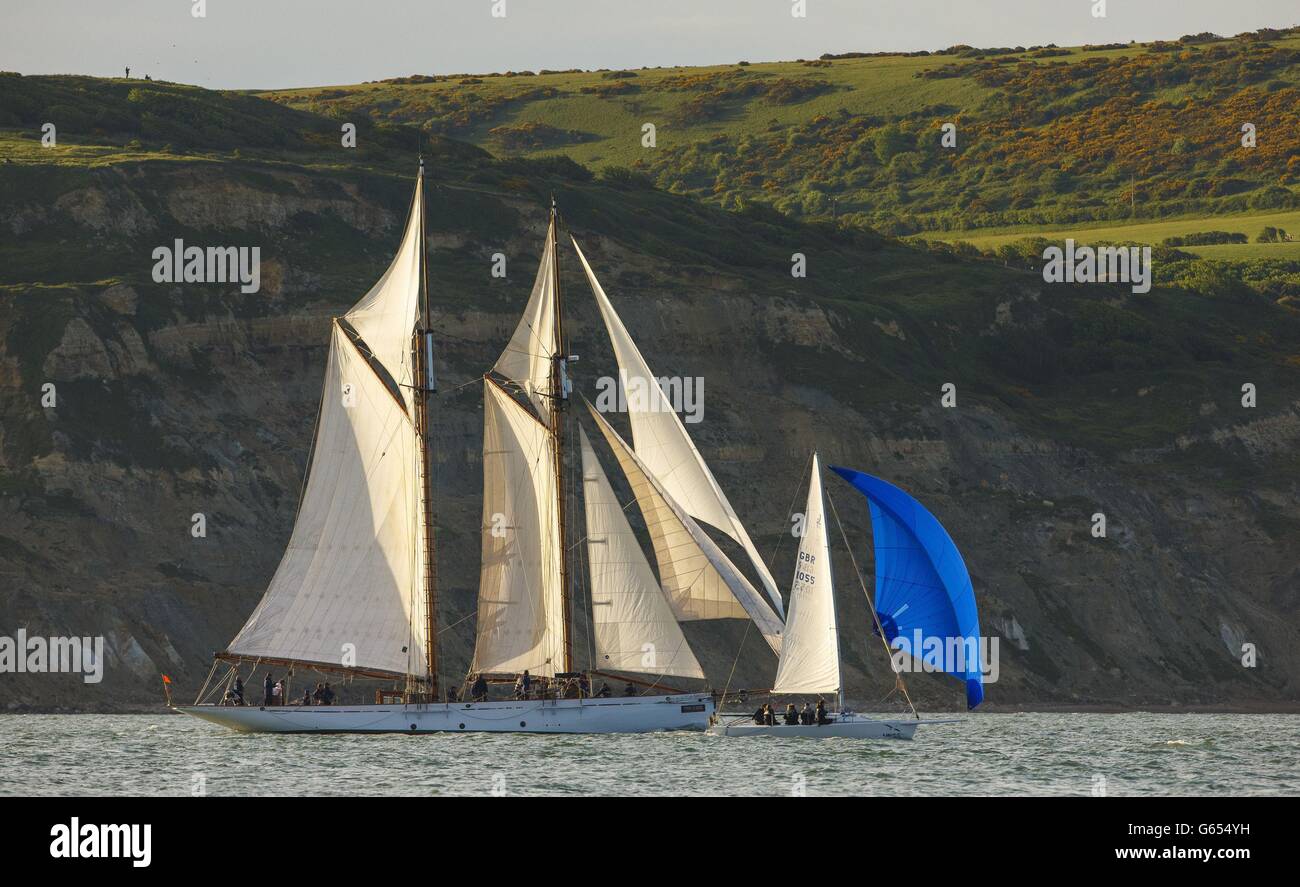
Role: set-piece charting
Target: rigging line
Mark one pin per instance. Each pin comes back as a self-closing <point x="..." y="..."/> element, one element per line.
<point x="776" y="548"/>
<point x="749" y="623"/>
<point x="464" y="618"/>
<point x="871" y="605"/>
<point x="311" y="450"/>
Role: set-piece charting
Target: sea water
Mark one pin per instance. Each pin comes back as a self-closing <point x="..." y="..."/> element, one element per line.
<point x="986" y="754"/>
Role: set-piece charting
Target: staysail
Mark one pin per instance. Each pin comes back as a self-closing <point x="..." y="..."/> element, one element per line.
<point x="700" y="582"/>
<point x="924" y="596"/>
<point x="664" y="447"/>
<point x="810" y="656"/>
<point x="346" y="592"/>
<point x="520" y="604"/>
<point x="634" y="626"/>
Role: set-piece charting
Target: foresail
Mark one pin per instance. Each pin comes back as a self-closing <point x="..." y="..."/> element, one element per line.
<point x="635" y="629"/>
<point x="385" y="318"/>
<point x="810" y="661"/>
<point x="345" y="593"/>
<point x="527" y="360"/>
<point x="520" y="604"/>
<point x="697" y="578"/>
<point x="662" y="444"/>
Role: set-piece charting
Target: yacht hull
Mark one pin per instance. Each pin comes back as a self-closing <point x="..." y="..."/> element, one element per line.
<point x="636" y="714"/>
<point x="850" y="727"/>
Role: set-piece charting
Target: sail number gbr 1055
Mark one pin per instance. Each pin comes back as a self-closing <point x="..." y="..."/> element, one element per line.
<point x="806" y="560"/>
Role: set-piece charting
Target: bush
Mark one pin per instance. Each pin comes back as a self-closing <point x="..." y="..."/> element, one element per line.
<point x="1204" y="238"/>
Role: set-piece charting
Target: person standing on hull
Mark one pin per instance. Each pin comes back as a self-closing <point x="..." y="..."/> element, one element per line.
<point x="268" y="687"/>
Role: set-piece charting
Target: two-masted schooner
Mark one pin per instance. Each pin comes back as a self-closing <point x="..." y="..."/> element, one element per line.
<point x="355" y="593"/>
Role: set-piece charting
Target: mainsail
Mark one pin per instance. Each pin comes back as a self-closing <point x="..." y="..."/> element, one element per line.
<point x="810" y="658"/>
<point x="521" y="603"/>
<point x="662" y="444"/>
<point x="346" y="592"/>
<point x="700" y="582"/>
<point x="635" y="629"/>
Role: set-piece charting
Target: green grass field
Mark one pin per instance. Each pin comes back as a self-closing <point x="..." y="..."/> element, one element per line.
<point x="1250" y="224"/>
<point x="883" y="87"/>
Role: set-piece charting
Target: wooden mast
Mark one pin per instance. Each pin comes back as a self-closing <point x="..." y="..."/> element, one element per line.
<point x="559" y="405"/>
<point x="424" y="391"/>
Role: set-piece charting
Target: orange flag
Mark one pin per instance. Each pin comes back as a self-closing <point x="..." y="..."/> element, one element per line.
<point x="166" y="680"/>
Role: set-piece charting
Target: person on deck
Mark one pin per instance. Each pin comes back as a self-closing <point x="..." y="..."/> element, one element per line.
<point x="791" y="716"/>
<point x="479" y="692"/>
<point x="327" y="695"/>
<point x="277" y="693"/>
<point x="268" y="687"/>
<point x="822" y="720"/>
<point x="526" y="684"/>
<point x="238" y="690"/>
<point x="629" y="690"/>
<point x="584" y="686"/>
<point x="306" y="696"/>
<point x="806" y="715"/>
<point x="603" y="692"/>
<point x="453" y="694"/>
<point x="318" y="698"/>
<point x="760" y="715"/>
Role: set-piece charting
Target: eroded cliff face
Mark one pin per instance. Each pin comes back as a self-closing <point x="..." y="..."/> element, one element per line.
<point x="178" y="400"/>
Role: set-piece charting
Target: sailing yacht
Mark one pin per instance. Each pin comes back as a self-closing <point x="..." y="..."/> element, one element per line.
<point x="921" y="586"/>
<point x="355" y="594"/>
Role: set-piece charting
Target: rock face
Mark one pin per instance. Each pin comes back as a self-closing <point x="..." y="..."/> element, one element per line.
<point x="177" y="405"/>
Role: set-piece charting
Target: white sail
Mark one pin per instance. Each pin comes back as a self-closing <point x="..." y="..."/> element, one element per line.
<point x="527" y="360"/>
<point x="635" y="629"/>
<point x="345" y="591"/>
<point x="810" y="659"/>
<point x="520" y="604"/>
<point x="385" y="317"/>
<point x="663" y="445"/>
<point x="697" y="578"/>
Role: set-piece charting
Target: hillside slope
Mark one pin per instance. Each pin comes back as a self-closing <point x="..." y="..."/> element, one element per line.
<point x="1044" y="135"/>
<point x="175" y="400"/>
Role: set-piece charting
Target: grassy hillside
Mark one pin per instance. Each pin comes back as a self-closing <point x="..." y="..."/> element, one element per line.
<point x="1045" y="135"/>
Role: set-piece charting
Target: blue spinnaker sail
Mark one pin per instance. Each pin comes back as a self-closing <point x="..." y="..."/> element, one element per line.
<point x="923" y="592"/>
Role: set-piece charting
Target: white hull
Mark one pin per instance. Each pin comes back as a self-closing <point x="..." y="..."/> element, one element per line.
<point x="848" y="726"/>
<point x="635" y="714"/>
